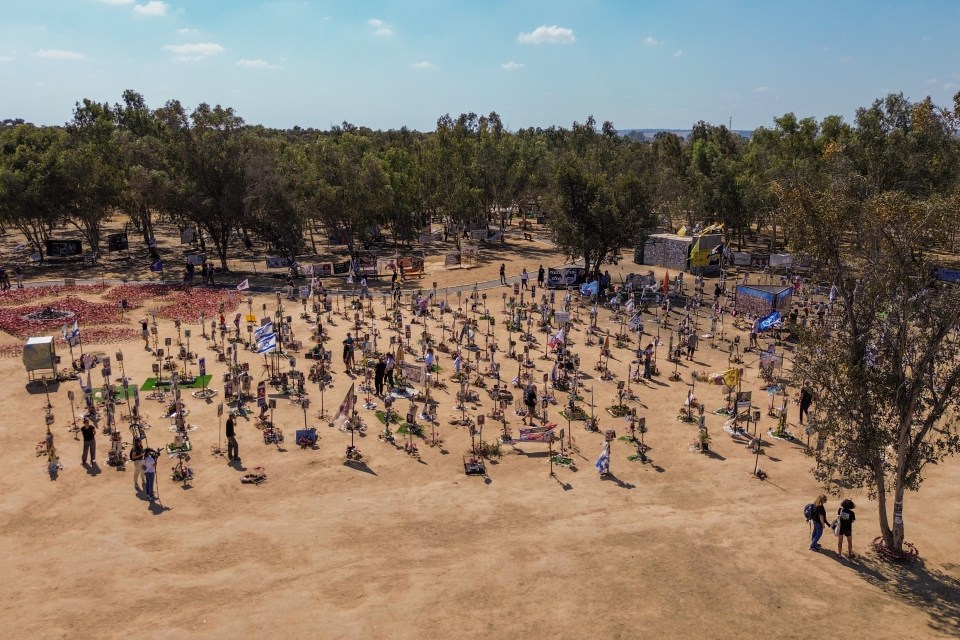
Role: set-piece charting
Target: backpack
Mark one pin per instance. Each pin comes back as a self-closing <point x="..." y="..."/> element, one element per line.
<point x="808" y="511"/>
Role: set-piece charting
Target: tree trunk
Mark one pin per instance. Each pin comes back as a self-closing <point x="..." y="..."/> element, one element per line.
<point x="885" y="531"/>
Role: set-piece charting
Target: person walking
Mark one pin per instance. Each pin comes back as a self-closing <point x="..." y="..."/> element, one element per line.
<point x="524" y="276"/>
<point x="691" y="344"/>
<point x="503" y="274"/>
<point x="136" y="456"/>
<point x="89" y="432"/>
<point x="233" y="449"/>
<point x="806" y="399"/>
<point x="541" y="274"/>
<point x="648" y="362"/>
<point x="819" y="521"/>
<point x="846" y="516"/>
<point x="379" y="371"/>
<point x="145" y="333"/>
<point x="150" y="471"/>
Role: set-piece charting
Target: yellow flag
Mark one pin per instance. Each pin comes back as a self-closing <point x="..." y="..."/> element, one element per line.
<point x="682" y="231"/>
<point x="731" y="377"/>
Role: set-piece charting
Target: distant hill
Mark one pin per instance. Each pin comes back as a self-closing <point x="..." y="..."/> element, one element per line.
<point x="648" y="134"/>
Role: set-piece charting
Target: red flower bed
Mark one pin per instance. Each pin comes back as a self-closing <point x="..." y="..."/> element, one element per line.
<point x="137" y="294"/>
<point x="88" y="313"/>
<point x="29" y="294"/>
<point x="188" y="306"/>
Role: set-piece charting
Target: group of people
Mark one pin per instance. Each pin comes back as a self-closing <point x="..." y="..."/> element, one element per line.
<point x="842" y="525"/>
<point x="143" y="458"/>
<point x="207" y="272"/>
<point x="524" y="277"/>
<point x="5" y="277"/>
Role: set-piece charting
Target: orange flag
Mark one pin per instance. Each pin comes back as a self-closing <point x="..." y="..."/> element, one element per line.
<point x="666" y="282"/>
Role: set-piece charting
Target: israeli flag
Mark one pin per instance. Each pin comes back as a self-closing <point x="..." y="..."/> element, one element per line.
<point x="75" y="331"/>
<point x="268" y="345"/>
<point x="265" y="330"/>
<point x="603" y="462"/>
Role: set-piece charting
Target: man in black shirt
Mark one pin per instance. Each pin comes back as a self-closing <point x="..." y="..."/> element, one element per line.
<point x="88" y="431"/>
<point x="233" y="449"/>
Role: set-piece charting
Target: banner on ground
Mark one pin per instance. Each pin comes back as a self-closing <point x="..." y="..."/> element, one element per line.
<point x="276" y="262"/>
<point x="412" y="372"/>
<point x="537" y="434"/>
<point x="781" y="260"/>
<point x="470" y="251"/>
<point x="196" y="258"/>
<point x="563" y="277"/>
<point x="451" y="260"/>
<point x="770" y="359"/>
<point x="341" y="268"/>
<point x="744" y="400"/>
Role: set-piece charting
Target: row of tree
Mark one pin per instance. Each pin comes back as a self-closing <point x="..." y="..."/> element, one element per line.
<point x="602" y="191"/>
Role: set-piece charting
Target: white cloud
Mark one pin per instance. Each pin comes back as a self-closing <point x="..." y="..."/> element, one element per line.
<point x="59" y="54"/>
<point x="950" y="86"/>
<point x="548" y="35"/>
<point x="117" y="1"/>
<point x="511" y="66"/>
<point x="7" y="58"/>
<point x="194" y="51"/>
<point x="678" y="53"/>
<point x="650" y="41"/>
<point x="762" y="89"/>
<point x="256" y="64"/>
<point x="845" y="60"/>
<point x="188" y="32"/>
<point x="933" y="81"/>
<point x="424" y="64"/>
<point x="380" y="28"/>
<point x="152" y="8"/>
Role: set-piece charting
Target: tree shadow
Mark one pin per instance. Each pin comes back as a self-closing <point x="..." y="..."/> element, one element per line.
<point x="932" y="591"/>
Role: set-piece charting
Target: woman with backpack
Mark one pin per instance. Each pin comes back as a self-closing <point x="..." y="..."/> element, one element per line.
<point x="845" y="518"/>
<point x="819" y="520"/>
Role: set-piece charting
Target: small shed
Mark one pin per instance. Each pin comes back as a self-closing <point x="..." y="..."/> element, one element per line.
<point x="761" y="299"/>
<point x="39" y="354"/>
<point x="673" y="252"/>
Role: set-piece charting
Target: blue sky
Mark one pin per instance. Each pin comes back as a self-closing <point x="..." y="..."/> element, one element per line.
<point x="640" y="64"/>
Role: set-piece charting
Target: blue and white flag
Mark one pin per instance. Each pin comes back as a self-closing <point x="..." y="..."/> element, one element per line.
<point x="265" y="330"/>
<point x="603" y="462"/>
<point x="769" y="320"/>
<point x="590" y="288"/>
<point x="267" y="345"/>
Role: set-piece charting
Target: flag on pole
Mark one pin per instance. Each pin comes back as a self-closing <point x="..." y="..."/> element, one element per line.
<point x="345" y="411"/>
<point x="265" y="330"/>
<point x="731" y="377"/>
<point x="267" y="344"/>
<point x="243" y="286"/>
<point x="665" y="287"/>
<point x="603" y="462"/>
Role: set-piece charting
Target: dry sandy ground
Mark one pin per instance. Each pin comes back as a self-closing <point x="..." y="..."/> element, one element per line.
<point x="686" y="546"/>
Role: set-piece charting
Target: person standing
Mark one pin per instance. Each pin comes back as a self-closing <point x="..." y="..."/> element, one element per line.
<point x="648" y="362"/>
<point x="806" y="399"/>
<point x="541" y="274"/>
<point x="846" y="516"/>
<point x="503" y="274"/>
<point x="203" y="273"/>
<point x="145" y="333"/>
<point x="524" y="276"/>
<point x="530" y="399"/>
<point x="18" y="272"/>
<point x="348" y="352"/>
<point x="210" y="272"/>
<point x="89" y="431"/>
<point x="819" y="521"/>
<point x="691" y="344"/>
<point x="136" y="456"/>
<point x="379" y="371"/>
<point x="150" y="470"/>
<point x="233" y="449"/>
<point x="390" y="364"/>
